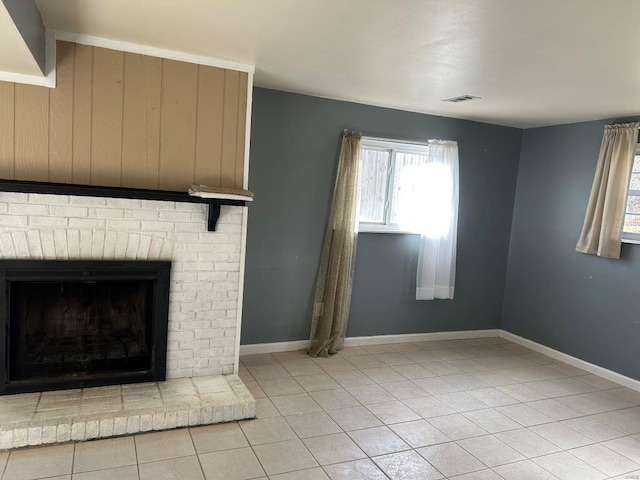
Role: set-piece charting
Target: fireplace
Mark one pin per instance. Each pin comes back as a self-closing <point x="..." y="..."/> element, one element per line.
<point x="59" y="236"/>
<point x="71" y="324"/>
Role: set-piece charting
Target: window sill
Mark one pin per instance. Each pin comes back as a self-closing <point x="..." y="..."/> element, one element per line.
<point x="631" y="241"/>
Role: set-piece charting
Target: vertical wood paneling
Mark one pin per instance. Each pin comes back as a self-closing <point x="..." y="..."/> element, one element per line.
<point x="61" y="116"/>
<point x="141" y="121"/>
<point x="7" y="123"/>
<point x="229" y="127"/>
<point x="106" y="117"/>
<point x="178" y="127"/>
<point x="153" y="77"/>
<point x="240" y="132"/>
<point x="209" y="134"/>
<point x="134" y="121"/>
<point x="82" y="78"/>
<point x="126" y="119"/>
<point x="32" y="133"/>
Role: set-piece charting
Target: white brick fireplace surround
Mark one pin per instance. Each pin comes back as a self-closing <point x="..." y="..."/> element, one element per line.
<point x="204" y="309"/>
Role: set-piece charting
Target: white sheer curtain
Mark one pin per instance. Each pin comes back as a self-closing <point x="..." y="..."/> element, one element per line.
<point x="436" y="206"/>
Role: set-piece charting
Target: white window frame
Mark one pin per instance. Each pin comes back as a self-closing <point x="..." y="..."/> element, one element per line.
<point x="632" y="237"/>
<point x="392" y="146"/>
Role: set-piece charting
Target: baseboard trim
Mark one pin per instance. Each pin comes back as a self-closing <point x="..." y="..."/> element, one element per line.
<point x="573" y="361"/>
<point x="419" y="337"/>
<point x="276" y="347"/>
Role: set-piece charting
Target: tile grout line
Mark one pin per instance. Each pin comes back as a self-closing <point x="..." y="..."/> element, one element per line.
<point x="195" y="449"/>
<point x="251" y="446"/>
<point x="6" y="465"/>
<point x="73" y="460"/>
<point x="135" y="450"/>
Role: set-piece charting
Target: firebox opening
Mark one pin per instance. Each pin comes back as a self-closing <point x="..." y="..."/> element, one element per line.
<point x="79" y="328"/>
<point x="74" y="324"/>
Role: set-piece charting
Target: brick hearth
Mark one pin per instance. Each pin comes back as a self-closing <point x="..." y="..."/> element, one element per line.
<point x="101" y="412"/>
<point x="203" y="332"/>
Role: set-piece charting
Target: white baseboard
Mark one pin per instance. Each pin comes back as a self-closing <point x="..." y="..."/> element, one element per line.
<point x="573" y="361"/>
<point x="373" y="340"/>
<point x="257" y="348"/>
<point x="419" y="337"/>
<point x="465" y="334"/>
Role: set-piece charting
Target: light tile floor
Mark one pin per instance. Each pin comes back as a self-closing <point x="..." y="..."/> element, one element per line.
<point x="480" y="409"/>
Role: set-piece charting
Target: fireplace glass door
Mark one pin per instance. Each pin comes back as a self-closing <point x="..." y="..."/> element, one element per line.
<point x="80" y="328"/>
<point x="85" y="323"/>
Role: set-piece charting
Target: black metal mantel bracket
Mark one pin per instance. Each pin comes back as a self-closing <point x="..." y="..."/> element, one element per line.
<point x="214" y="204"/>
<point x="214" y="215"/>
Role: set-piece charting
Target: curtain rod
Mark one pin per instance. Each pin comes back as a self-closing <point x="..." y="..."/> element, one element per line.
<point x="395" y="140"/>
<point x="623" y="124"/>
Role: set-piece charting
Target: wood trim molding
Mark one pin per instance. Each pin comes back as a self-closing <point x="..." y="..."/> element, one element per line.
<point x="245" y="219"/>
<point x="152" y="51"/>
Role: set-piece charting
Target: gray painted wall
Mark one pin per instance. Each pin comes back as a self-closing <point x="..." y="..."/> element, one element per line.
<point x="295" y="141"/>
<point x="583" y="305"/>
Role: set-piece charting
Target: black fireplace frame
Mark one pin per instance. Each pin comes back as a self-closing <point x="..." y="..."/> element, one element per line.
<point x="83" y="270"/>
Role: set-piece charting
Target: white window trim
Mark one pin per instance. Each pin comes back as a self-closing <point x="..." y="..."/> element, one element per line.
<point x="629" y="237"/>
<point x="374" y="143"/>
<point x="380" y="228"/>
<point x="632" y="241"/>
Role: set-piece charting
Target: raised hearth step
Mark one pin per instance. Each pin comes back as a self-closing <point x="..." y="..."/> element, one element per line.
<point x="101" y="412"/>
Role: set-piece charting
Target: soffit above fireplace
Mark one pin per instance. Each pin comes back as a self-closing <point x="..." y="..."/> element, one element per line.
<point x="50" y="188"/>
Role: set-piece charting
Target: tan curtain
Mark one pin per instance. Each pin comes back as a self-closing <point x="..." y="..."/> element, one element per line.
<point x="333" y="287"/>
<point x="603" y="223"/>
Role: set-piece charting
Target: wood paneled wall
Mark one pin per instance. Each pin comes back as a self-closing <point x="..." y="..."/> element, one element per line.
<point x="123" y="119"/>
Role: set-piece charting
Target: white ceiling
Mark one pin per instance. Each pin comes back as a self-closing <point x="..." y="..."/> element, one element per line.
<point x="533" y="62"/>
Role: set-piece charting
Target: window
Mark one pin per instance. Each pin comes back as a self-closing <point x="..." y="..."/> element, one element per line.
<point x="394" y="179"/>
<point x="631" y="231"/>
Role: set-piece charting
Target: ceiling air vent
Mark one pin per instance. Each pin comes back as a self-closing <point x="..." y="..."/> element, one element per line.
<point x="461" y="98"/>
